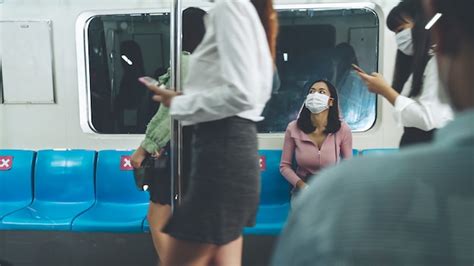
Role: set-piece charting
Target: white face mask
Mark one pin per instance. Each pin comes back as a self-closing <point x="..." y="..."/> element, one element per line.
<point x="316" y="102"/>
<point x="405" y="42"/>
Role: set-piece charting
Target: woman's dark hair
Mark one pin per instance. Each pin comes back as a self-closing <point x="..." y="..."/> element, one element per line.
<point x="422" y="46"/>
<point x="416" y="64"/>
<point x="193" y="28"/>
<point x="403" y="13"/>
<point x="334" y="122"/>
<point x="403" y="70"/>
<point x="399" y="15"/>
<point x="269" y="19"/>
<point x="456" y="14"/>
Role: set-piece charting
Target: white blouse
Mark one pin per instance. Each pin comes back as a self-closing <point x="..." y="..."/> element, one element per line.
<point x="428" y="110"/>
<point x="231" y="71"/>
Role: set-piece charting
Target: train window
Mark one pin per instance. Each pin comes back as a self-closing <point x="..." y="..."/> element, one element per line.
<point x="312" y="44"/>
<point x="322" y="44"/>
<point x="122" y="48"/>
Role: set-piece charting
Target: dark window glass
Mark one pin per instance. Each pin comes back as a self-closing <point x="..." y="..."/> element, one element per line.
<point x="121" y="49"/>
<point x="312" y="44"/>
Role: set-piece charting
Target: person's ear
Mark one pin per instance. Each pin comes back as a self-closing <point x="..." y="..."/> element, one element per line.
<point x="331" y="102"/>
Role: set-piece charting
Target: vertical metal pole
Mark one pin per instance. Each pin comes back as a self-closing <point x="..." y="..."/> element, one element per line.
<point x="175" y="39"/>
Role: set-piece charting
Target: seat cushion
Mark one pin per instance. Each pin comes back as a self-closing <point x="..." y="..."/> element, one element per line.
<point x="45" y="216"/>
<point x="16" y="172"/>
<point x="112" y="217"/>
<point x="12" y="206"/>
<point x="270" y="220"/>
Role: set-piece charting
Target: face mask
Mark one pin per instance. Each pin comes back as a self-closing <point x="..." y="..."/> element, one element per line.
<point x="405" y="42"/>
<point x="316" y="102"/>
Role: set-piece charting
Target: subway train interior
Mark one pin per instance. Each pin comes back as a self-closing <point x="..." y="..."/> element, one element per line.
<point x="72" y="112"/>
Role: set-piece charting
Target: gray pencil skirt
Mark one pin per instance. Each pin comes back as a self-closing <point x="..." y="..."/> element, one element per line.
<point x="224" y="185"/>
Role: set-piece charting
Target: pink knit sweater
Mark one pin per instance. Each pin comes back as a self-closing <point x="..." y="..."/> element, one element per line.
<point x="309" y="158"/>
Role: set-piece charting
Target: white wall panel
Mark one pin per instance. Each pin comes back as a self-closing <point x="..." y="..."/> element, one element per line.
<point x="27" y="61"/>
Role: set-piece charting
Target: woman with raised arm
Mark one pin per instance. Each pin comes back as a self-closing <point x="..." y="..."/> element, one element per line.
<point x="419" y="107"/>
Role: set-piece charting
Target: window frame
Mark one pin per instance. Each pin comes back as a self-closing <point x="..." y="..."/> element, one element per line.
<point x="83" y="65"/>
<point x="82" y="52"/>
<point x="373" y="8"/>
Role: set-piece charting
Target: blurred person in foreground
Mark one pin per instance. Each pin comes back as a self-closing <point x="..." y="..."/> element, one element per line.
<point x="410" y="208"/>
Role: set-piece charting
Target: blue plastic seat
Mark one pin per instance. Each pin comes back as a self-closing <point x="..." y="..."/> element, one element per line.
<point x="373" y="152"/>
<point x="274" y="198"/>
<point x="120" y="206"/>
<point x="63" y="188"/>
<point x="355" y="152"/>
<point x="16" y="187"/>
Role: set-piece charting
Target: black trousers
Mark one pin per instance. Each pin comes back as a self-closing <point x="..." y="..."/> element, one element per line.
<point x="412" y="135"/>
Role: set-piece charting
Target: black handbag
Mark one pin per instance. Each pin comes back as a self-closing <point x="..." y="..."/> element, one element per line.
<point x="152" y="167"/>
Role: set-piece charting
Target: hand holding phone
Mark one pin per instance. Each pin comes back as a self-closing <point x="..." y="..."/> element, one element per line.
<point x="149" y="81"/>
<point x="161" y="93"/>
<point x="358" y="69"/>
<point x="376" y="83"/>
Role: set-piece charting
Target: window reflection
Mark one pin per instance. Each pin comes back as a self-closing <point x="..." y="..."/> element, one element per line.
<point x="322" y="44"/>
<point x="121" y="49"/>
<point x="312" y="44"/>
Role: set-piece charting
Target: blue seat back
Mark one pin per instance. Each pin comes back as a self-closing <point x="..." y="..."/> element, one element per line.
<point x="16" y="171"/>
<point x="113" y="182"/>
<point x="355" y="152"/>
<point x="274" y="187"/>
<point x="65" y="176"/>
<point x="377" y="151"/>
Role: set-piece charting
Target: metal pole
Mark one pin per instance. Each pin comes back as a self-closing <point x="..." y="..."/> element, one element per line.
<point x="176" y="138"/>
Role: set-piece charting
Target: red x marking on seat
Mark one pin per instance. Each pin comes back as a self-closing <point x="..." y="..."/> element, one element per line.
<point x="126" y="163"/>
<point x="6" y="163"/>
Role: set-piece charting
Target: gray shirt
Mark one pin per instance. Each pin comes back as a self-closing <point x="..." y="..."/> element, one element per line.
<point x="415" y="207"/>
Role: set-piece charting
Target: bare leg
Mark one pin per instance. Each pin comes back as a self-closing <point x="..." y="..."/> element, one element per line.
<point x="183" y="253"/>
<point x="229" y="254"/>
<point x="158" y="215"/>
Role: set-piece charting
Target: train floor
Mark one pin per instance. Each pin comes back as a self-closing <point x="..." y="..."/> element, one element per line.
<point x="51" y="248"/>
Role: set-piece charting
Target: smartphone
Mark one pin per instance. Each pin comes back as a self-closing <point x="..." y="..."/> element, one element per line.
<point x="357" y="68"/>
<point x="149" y="81"/>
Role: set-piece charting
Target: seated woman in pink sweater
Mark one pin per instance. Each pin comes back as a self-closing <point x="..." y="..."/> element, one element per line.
<point x="318" y="138"/>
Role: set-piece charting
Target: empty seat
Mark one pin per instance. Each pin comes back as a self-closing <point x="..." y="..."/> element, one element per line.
<point x="377" y="151"/>
<point x="274" y="197"/>
<point x="16" y="187"/>
<point x="355" y="152"/>
<point x="63" y="188"/>
<point x="120" y="206"/>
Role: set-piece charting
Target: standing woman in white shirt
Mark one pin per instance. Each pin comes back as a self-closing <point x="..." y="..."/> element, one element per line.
<point x="228" y="84"/>
<point x="419" y="108"/>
